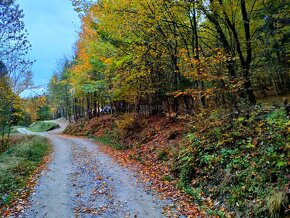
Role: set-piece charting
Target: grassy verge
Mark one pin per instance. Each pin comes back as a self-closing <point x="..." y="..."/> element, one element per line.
<point x="107" y="140"/>
<point x="41" y="126"/>
<point x="12" y="130"/>
<point x="17" y="164"/>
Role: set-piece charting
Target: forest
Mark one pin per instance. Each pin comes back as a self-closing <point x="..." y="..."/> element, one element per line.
<point x="174" y="56"/>
<point x="193" y="91"/>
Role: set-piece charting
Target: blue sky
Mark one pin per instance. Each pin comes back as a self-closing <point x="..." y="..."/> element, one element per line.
<point x="52" y="27"/>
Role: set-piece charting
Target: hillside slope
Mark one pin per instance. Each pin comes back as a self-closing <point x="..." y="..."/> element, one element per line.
<point x="227" y="165"/>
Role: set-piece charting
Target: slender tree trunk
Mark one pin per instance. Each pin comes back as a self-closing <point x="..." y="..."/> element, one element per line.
<point x="95" y="104"/>
<point x="196" y="46"/>
<point x="247" y="64"/>
<point x="88" y="107"/>
<point x="98" y="109"/>
<point x="76" y="109"/>
<point x="8" y="135"/>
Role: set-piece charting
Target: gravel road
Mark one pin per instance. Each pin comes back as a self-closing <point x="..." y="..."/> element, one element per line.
<point x="81" y="181"/>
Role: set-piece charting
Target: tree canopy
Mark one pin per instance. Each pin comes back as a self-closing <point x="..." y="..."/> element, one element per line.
<point x="15" y="74"/>
<point x="179" y="55"/>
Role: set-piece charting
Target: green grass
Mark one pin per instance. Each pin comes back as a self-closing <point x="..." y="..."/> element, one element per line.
<point x="17" y="164"/>
<point x="12" y="130"/>
<point x="106" y="140"/>
<point x="41" y="126"/>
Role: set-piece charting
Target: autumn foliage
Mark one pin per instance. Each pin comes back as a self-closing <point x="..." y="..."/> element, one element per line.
<point x="181" y="80"/>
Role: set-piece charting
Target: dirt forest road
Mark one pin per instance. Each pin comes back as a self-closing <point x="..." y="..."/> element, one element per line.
<point x="81" y="181"/>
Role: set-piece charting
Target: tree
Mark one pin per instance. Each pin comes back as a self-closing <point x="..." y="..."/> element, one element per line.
<point x="14" y="45"/>
<point x="59" y="91"/>
<point x="44" y="113"/>
<point x="15" y="73"/>
<point x="177" y="54"/>
<point x="273" y="47"/>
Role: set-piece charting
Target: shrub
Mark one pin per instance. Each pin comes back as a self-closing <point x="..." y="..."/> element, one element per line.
<point x="183" y="166"/>
<point x="162" y="155"/>
<point x="127" y="124"/>
<point x="241" y="162"/>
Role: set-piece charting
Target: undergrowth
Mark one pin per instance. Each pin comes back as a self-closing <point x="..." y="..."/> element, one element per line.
<point x="17" y="164"/>
<point x="238" y="163"/>
<point x="107" y="140"/>
<point x="229" y="165"/>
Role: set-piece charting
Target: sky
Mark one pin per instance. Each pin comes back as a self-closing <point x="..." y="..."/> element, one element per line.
<point x="53" y="28"/>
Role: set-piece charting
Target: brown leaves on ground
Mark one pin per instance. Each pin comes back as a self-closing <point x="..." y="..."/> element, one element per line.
<point x="90" y="211"/>
<point x="151" y="153"/>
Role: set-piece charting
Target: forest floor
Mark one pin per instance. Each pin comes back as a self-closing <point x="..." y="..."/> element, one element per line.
<point x="209" y="164"/>
<point x="82" y="181"/>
